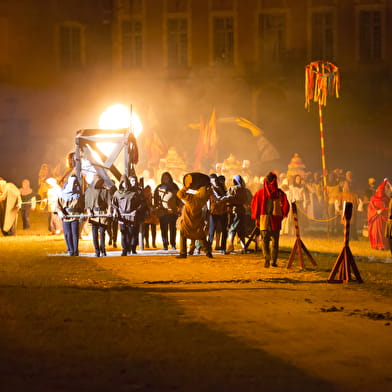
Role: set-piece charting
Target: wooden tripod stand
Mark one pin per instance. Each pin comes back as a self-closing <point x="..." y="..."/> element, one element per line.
<point x="252" y="237"/>
<point x="345" y="262"/>
<point x="299" y="246"/>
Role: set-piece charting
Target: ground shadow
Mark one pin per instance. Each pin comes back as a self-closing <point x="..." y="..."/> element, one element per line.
<point x="59" y="338"/>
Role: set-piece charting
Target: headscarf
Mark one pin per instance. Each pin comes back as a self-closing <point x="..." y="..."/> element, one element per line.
<point x="380" y="198"/>
<point x="136" y="182"/>
<point x="238" y="180"/>
<point x="270" y="186"/>
<point x="124" y="184"/>
<point x="71" y="189"/>
<point x="169" y="177"/>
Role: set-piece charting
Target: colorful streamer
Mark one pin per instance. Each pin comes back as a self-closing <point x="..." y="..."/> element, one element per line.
<point x="321" y="79"/>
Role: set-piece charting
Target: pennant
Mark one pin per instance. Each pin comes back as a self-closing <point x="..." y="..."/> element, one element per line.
<point x="243" y="122"/>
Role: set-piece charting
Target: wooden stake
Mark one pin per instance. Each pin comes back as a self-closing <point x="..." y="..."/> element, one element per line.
<point x="345" y="262"/>
<point x="299" y="246"/>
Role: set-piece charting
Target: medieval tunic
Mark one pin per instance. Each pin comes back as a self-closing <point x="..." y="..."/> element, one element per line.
<point x="97" y="201"/>
<point x="218" y="219"/>
<point x="10" y="203"/>
<point x="269" y="211"/>
<point x="128" y="203"/>
<point x="269" y="207"/>
<point x="167" y="205"/>
<point x="388" y="228"/>
<point x="192" y="221"/>
<point x="377" y="218"/>
<point x="237" y="203"/>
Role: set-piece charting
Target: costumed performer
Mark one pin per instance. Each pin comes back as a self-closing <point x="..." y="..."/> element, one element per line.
<point x="10" y="204"/>
<point x="69" y="204"/>
<point x="269" y="207"/>
<point x="192" y="220"/>
<point x="377" y="217"/>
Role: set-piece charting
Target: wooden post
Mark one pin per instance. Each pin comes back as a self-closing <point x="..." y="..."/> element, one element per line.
<point x="345" y="262"/>
<point x="323" y="160"/>
<point x="299" y="246"/>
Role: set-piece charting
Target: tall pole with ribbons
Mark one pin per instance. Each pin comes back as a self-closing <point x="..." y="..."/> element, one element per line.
<point x="321" y="79"/>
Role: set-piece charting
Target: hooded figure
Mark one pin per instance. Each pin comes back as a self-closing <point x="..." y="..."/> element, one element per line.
<point x="97" y="200"/>
<point x="128" y="203"/>
<point x="377" y="217"/>
<point x="168" y="206"/>
<point x="69" y="204"/>
<point x="191" y="222"/>
<point x="218" y="219"/>
<point x="269" y="207"/>
<point x="237" y="205"/>
<point x="10" y="204"/>
<point x="388" y="228"/>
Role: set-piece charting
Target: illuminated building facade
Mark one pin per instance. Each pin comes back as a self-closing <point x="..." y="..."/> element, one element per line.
<point x="62" y="62"/>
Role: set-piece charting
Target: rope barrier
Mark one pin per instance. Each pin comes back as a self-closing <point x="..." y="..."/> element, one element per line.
<point x="43" y="203"/>
<point x="83" y="216"/>
<point x="319" y="220"/>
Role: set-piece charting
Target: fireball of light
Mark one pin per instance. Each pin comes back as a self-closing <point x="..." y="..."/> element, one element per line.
<point x="116" y="117"/>
<point x="119" y="116"/>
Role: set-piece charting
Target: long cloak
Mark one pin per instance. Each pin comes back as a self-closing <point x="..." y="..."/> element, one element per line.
<point x="191" y="222"/>
<point x="11" y="202"/>
<point x="377" y="218"/>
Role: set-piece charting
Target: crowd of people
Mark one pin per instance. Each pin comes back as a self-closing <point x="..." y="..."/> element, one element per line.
<point x="210" y="210"/>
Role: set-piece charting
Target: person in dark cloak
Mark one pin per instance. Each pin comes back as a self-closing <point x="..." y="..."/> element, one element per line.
<point x="237" y="219"/>
<point x="218" y="219"/>
<point x="97" y="200"/>
<point x="128" y="202"/>
<point x="167" y="205"/>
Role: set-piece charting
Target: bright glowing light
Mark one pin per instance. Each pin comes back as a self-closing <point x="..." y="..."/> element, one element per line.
<point x="106" y="148"/>
<point x="119" y="116"/>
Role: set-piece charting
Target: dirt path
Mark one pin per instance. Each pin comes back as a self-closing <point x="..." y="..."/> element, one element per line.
<point x="163" y="324"/>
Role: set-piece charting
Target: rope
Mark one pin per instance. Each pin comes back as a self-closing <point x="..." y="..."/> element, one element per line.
<point x="318" y="220"/>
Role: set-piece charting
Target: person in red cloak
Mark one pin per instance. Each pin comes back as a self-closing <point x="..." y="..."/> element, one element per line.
<point x="269" y="207"/>
<point x="377" y="217"/>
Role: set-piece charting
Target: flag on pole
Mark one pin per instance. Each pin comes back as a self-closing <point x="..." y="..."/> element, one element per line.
<point x="200" y="144"/>
<point x="207" y="143"/>
<point x="212" y="138"/>
<point x="154" y="148"/>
